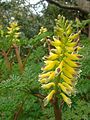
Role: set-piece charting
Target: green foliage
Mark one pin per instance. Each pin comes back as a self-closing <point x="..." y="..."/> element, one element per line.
<point x="17" y="90"/>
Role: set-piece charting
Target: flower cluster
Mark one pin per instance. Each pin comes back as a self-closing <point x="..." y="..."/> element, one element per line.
<point x="13" y="32"/>
<point x="61" y="67"/>
<point x="42" y="30"/>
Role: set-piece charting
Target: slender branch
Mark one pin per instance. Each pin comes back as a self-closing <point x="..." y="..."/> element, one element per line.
<point x="26" y="58"/>
<point x="21" y="67"/>
<point x="71" y="7"/>
<point x="8" y="65"/>
<point x="9" y="50"/>
<point x="61" y="105"/>
<point x="17" y="114"/>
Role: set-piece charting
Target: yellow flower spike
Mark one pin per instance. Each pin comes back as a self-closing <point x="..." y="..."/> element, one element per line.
<point x="59" y="68"/>
<point x="42" y="30"/>
<point x="13" y="32"/>
<point x="64" y="89"/>
<point x="47" y="86"/>
<point x="66" y="99"/>
<point x="49" y="97"/>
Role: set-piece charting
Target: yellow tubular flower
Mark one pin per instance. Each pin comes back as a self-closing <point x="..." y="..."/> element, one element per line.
<point x="73" y="56"/>
<point x="73" y="91"/>
<point x="66" y="99"/>
<point x="56" y="42"/>
<point x="71" y="63"/>
<point x="42" y="30"/>
<point x="45" y="75"/>
<point x="52" y="56"/>
<point x="47" y="86"/>
<point x="72" y="37"/>
<point x="42" y="81"/>
<point x="58" y="50"/>
<point x="71" y="44"/>
<point x="67" y="73"/>
<point x="49" y="97"/>
<point x="70" y="69"/>
<point x="49" y="65"/>
<point x="66" y="79"/>
<point x="70" y="49"/>
<point x="52" y="76"/>
<point x="59" y="68"/>
<point x="64" y="89"/>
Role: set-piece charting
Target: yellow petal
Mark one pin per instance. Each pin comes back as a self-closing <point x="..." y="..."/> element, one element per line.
<point x="47" y="86"/>
<point x="67" y="73"/>
<point x="49" y="65"/>
<point x="71" y="63"/>
<point x="69" y="31"/>
<point x="45" y="75"/>
<point x="72" y="89"/>
<point x="73" y="56"/>
<point x="72" y="37"/>
<point x="52" y="56"/>
<point x="66" y="79"/>
<point x="71" y="44"/>
<point x="59" y="68"/>
<point x="66" y="99"/>
<point x="69" y="49"/>
<point x="65" y="89"/>
<point x="67" y="85"/>
<point x="56" y="42"/>
<point x="69" y="69"/>
<point x="42" y="81"/>
<point x="52" y="76"/>
<point x="58" y="50"/>
<point x="49" y="97"/>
